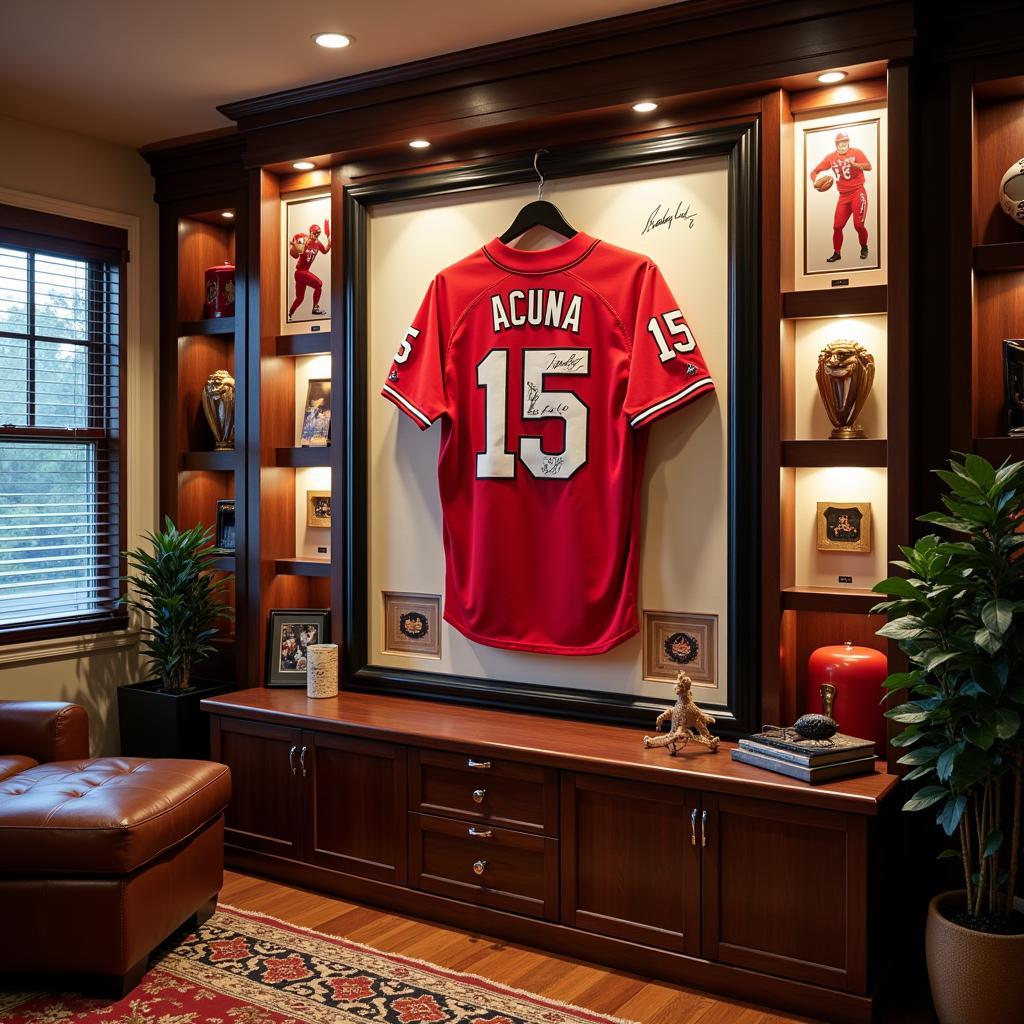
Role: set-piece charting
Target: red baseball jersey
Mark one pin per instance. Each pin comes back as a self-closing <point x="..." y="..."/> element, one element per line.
<point x="305" y="258"/>
<point x="848" y="178"/>
<point x="545" y="368"/>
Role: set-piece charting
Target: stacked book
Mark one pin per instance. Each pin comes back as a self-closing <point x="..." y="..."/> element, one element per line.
<point x="785" y="752"/>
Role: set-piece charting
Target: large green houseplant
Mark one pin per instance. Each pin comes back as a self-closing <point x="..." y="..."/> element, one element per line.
<point x="174" y="583"/>
<point x="959" y="617"/>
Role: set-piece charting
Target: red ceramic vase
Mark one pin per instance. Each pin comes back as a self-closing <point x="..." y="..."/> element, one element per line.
<point x="220" y="291"/>
<point x="857" y="673"/>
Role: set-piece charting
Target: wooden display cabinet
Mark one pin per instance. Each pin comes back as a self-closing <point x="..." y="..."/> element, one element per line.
<point x="196" y="235"/>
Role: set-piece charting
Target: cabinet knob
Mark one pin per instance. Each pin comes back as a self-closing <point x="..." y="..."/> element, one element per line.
<point x="480" y="833"/>
<point x="470" y="763"/>
<point x="478" y="795"/>
<point x="478" y="867"/>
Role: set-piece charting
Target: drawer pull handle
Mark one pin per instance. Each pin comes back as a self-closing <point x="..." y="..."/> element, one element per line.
<point x="693" y="827"/>
<point x="302" y="762"/>
<point x="470" y="763"/>
<point x="478" y="795"/>
<point x="703" y="828"/>
<point x="478" y="866"/>
<point x="480" y="833"/>
<point x="291" y="759"/>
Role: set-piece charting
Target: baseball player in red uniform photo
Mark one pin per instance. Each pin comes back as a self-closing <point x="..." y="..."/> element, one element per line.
<point x="847" y="166"/>
<point x="304" y="248"/>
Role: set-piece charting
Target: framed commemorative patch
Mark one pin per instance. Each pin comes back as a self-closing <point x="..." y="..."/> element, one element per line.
<point x="680" y="641"/>
<point x="412" y="624"/>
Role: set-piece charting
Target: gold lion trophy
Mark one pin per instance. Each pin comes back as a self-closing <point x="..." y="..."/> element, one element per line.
<point x="845" y="373"/>
<point x="219" y="406"/>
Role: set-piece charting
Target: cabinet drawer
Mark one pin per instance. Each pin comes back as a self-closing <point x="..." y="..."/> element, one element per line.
<point x="499" y="868"/>
<point x="505" y="793"/>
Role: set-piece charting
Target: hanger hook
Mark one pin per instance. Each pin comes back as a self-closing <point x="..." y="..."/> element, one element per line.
<point x="536" y="168"/>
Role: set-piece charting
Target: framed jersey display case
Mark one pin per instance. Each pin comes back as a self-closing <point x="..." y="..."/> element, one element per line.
<point x="557" y="433"/>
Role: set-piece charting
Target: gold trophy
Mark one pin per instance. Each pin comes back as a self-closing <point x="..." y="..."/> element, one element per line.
<point x="845" y="373"/>
<point x="219" y="406"/>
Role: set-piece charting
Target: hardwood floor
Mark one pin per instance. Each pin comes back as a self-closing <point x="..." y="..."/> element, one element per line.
<point x="571" y="981"/>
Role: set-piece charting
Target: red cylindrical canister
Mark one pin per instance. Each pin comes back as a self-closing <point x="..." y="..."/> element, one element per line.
<point x="220" y="290"/>
<point x="857" y="673"/>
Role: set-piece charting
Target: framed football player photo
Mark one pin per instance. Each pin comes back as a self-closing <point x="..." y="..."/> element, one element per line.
<point x="306" y="263"/>
<point x="588" y="448"/>
<point x="840" y="207"/>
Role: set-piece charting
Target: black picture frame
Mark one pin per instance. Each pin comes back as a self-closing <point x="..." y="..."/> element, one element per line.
<point x="224" y="534"/>
<point x="741" y="712"/>
<point x="282" y="620"/>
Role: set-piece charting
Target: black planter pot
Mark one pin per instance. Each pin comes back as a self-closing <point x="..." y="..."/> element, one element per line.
<point x="154" y="723"/>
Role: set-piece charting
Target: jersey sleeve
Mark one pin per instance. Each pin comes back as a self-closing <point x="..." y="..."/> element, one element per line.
<point x="415" y="382"/>
<point x="666" y="369"/>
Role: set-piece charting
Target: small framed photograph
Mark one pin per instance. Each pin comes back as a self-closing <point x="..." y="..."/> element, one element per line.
<point x="680" y="641"/>
<point x="289" y="634"/>
<point x="306" y="263"/>
<point x="412" y="624"/>
<point x="318" y="508"/>
<point x="844" y="526"/>
<point x="316" y="420"/>
<point x="224" y="543"/>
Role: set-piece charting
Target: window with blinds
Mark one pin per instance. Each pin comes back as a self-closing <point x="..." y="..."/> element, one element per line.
<point x="61" y="458"/>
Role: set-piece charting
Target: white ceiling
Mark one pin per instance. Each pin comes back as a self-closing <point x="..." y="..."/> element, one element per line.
<point x="138" y="71"/>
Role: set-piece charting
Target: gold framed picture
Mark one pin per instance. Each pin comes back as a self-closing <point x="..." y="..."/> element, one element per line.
<point x="844" y="526"/>
<point x="412" y="624"/>
<point x="680" y="641"/>
<point x="318" y="508"/>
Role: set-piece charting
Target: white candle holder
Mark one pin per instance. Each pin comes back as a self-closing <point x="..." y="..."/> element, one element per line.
<point x="322" y="670"/>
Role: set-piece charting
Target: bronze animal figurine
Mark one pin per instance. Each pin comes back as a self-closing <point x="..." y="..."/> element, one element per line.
<point x="684" y="716"/>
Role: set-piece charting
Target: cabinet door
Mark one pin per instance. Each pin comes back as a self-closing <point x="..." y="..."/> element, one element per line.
<point x="265" y="812"/>
<point x="357" y="806"/>
<point x="630" y="863"/>
<point x="785" y="890"/>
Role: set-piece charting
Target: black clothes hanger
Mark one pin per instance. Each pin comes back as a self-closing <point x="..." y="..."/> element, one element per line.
<point x="538" y="214"/>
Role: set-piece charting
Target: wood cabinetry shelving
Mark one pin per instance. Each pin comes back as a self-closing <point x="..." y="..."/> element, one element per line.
<point x="212" y="326"/>
<point x="846" y="301"/>
<point x="823" y="599"/>
<point x="304" y="566"/>
<point x="855" y="452"/>
<point x="296" y="457"/>
<point x="304" y="344"/>
<point x="999" y="257"/>
<point x="214" y="461"/>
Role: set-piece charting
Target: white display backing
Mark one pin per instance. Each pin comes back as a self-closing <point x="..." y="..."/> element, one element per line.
<point x="684" y="565"/>
<point x="811" y="422"/>
<point x="816" y="568"/>
<point x="877" y="190"/>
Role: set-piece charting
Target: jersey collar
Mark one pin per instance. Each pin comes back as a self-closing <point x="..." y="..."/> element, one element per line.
<point x="541" y="261"/>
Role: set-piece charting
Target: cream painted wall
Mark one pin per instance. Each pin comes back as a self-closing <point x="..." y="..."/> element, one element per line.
<point x="44" y="168"/>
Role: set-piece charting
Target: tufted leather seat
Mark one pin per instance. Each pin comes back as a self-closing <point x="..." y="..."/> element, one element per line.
<point x="106" y="815"/>
<point x="100" y="858"/>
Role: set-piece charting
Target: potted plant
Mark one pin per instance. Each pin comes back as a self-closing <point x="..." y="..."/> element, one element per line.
<point x="959" y="617"/>
<point x="181" y="599"/>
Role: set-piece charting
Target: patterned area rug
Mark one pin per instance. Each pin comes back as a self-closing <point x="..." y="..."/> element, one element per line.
<point x="243" y="968"/>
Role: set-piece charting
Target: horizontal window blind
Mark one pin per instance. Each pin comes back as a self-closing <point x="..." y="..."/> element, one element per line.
<point x="60" y="451"/>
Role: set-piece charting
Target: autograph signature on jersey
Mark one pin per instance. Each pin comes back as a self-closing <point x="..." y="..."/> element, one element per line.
<point x="666" y="218"/>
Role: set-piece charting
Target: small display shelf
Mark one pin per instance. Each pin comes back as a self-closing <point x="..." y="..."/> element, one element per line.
<point x="999" y="257"/>
<point x="301" y="457"/>
<point x="215" y="460"/>
<point x="303" y="566"/>
<point x="224" y="563"/>
<point x="304" y="344"/>
<point x="996" y="449"/>
<point x="216" y="325"/>
<point x="824" y="599"/>
<point x="859" y="301"/>
<point x="855" y="452"/>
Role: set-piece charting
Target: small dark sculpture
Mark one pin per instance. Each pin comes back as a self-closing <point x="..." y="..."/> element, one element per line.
<point x="815" y="727"/>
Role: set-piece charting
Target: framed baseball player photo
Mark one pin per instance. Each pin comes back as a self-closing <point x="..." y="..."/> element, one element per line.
<point x="840" y="207"/>
<point x="306" y="263"/>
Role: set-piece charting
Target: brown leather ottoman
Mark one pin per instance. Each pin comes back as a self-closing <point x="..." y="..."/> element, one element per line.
<point x="102" y="859"/>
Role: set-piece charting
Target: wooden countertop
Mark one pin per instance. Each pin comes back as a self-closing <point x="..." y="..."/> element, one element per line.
<point x="559" y="743"/>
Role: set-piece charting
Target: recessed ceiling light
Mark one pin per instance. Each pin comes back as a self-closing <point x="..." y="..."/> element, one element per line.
<point x="831" y="77"/>
<point x="228" y="214"/>
<point x="332" y="40"/>
<point x="419" y="144"/>
<point x="303" y="165"/>
<point x="645" y="108"/>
